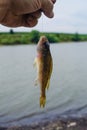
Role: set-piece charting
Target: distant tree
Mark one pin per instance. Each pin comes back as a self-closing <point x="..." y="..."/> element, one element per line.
<point x="11" y="31"/>
<point x="34" y="36"/>
<point x="52" y="38"/>
<point x="76" y="37"/>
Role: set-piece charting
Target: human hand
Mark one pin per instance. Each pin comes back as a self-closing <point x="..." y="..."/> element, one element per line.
<point x="15" y="13"/>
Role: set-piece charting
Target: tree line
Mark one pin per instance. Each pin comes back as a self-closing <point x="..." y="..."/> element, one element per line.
<point x="13" y="38"/>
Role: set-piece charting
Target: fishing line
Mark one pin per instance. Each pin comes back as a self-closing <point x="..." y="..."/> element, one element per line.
<point x="42" y="25"/>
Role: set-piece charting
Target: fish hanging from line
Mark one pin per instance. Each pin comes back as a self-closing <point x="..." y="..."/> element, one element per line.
<point x="44" y="65"/>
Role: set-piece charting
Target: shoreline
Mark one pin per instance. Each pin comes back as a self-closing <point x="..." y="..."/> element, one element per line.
<point x="55" y="124"/>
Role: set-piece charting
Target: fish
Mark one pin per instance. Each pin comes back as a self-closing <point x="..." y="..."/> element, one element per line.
<point x="44" y="65"/>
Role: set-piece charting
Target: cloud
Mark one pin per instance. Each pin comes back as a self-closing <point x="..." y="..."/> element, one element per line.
<point x="72" y="16"/>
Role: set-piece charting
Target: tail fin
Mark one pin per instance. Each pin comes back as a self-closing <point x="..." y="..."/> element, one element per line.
<point x="42" y="101"/>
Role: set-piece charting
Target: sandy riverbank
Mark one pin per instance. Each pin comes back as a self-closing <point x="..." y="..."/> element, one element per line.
<point x="56" y="124"/>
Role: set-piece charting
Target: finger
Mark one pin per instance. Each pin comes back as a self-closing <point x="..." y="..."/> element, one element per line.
<point x="12" y="20"/>
<point x="36" y="14"/>
<point x="29" y="21"/>
<point x="47" y="8"/>
<point x="20" y="7"/>
<point x="4" y="7"/>
<point x="17" y="21"/>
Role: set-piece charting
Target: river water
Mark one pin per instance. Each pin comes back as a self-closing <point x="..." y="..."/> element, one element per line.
<point x="19" y="98"/>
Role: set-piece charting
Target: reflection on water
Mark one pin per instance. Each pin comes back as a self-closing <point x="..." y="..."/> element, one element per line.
<point x="19" y="98"/>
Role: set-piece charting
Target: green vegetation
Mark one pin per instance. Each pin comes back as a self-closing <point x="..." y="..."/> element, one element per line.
<point x="13" y="38"/>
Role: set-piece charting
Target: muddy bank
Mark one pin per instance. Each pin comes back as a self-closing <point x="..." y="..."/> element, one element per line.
<point x="56" y="124"/>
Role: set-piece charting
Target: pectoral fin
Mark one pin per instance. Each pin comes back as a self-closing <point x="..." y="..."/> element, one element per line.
<point x="35" y="62"/>
<point x="36" y="82"/>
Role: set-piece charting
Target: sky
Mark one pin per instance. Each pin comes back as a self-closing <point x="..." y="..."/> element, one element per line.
<point x="70" y="16"/>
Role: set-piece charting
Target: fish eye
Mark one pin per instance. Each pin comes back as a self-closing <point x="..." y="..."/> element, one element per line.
<point x="46" y="44"/>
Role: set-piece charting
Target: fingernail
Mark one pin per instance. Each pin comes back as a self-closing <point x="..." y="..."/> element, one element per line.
<point x="50" y="15"/>
<point x="54" y="1"/>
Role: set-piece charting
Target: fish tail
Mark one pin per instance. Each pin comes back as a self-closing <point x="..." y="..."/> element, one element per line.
<point x="42" y="101"/>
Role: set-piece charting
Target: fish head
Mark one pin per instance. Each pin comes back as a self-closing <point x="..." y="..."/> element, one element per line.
<point x="43" y="44"/>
